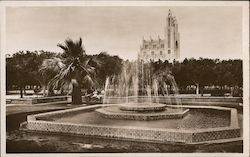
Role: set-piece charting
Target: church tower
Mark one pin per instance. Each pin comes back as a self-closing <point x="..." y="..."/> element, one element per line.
<point x="172" y="38"/>
<point x="162" y="49"/>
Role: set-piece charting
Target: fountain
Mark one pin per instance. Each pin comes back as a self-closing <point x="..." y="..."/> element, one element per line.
<point x="138" y="106"/>
<point x="138" y="94"/>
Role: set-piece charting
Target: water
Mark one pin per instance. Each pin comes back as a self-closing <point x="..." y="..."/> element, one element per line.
<point x="139" y="80"/>
<point x="176" y="90"/>
<point x="196" y="119"/>
<point x="105" y="100"/>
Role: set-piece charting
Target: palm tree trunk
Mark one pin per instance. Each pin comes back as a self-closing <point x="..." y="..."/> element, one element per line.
<point x="24" y="90"/>
<point x="44" y="87"/>
<point x="76" y="93"/>
<point x="21" y="91"/>
<point x="197" y="89"/>
<point x="50" y="91"/>
<point x="202" y="90"/>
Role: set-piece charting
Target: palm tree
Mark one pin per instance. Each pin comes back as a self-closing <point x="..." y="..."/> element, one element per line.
<point x="74" y="69"/>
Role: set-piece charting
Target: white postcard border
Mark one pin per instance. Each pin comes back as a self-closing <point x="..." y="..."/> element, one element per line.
<point x="245" y="36"/>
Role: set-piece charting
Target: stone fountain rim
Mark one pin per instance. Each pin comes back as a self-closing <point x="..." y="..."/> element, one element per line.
<point x="142" y="106"/>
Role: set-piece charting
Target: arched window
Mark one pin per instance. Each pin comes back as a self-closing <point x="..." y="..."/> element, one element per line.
<point x="169" y="51"/>
<point x="176" y="44"/>
<point x="161" y="53"/>
<point x="152" y="53"/>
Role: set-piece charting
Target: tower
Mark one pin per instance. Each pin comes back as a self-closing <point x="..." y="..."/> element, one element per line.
<point x="172" y="38"/>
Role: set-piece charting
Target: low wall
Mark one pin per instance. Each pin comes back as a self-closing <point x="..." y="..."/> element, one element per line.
<point x="139" y="134"/>
<point x="37" y="100"/>
<point x="185" y="100"/>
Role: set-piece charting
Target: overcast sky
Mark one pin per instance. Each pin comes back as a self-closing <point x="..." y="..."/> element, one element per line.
<point x="211" y="32"/>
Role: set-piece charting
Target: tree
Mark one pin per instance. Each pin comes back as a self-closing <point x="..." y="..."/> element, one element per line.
<point x="22" y="69"/>
<point x="75" y="69"/>
<point x="108" y="66"/>
<point x="11" y="74"/>
<point x="196" y="72"/>
<point x="229" y="73"/>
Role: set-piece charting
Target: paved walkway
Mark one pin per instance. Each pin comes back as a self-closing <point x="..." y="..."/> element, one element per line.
<point x="15" y="109"/>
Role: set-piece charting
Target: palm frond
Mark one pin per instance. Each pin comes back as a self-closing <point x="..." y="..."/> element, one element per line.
<point x="85" y="62"/>
<point x="93" y="61"/>
<point x="79" y="43"/>
<point x="71" y="48"/>
<point x="51" y="66"/>
<point x="89" y="80"/>
<point x="63" y="78"/>
<point x="63" y="47"/>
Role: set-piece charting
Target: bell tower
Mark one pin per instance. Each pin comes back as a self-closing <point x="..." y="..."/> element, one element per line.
<point x="172" y="38"/>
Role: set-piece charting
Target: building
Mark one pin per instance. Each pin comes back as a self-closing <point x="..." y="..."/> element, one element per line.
<point x="163" y="49"/>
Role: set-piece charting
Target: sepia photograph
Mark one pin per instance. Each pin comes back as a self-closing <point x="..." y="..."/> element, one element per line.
<point x="111" y="78"/>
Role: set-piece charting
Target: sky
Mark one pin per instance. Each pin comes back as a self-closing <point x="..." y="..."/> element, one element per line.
<point x="208" y="32"/>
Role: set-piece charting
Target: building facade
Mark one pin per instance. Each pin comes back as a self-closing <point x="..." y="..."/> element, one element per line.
<point x="162" y="49"/>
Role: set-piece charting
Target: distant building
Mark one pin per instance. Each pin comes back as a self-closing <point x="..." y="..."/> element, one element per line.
<point x="163" y="49"/>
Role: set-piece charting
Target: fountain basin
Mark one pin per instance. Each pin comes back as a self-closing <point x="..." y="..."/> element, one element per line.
<point x="194" y="128"/>
<point x="118" y="112"/>
<point x="142" y="107"/>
